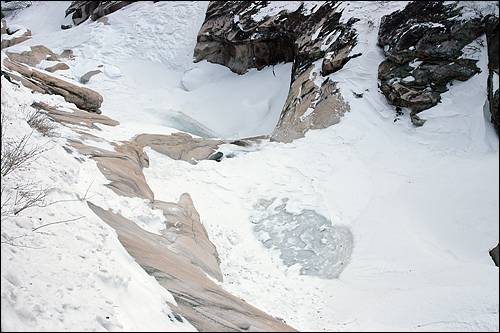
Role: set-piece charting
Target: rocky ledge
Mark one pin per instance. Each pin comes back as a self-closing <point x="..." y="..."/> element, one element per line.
<point x="427" y="46"/>
<point x="255" y="34"/>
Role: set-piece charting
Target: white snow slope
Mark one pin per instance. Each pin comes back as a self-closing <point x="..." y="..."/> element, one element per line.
<point x="422" y="203"/>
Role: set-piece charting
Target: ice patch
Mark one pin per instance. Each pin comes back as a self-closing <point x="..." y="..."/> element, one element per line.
<point x="308" y="239"/>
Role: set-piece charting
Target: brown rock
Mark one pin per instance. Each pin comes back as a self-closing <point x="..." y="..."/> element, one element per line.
<point x="57" y="67"/>
<point x="16" y="40"/>
<point x="180" y="146"/>
<point x="309" y="107"/>
<point x="188" y="236"/>
<point x="82" y="97"/>
<point x="206" y="305"/>
<point x="122" y="167"/>
<point x="33" y="57"/>
<point x="76" y="117"/>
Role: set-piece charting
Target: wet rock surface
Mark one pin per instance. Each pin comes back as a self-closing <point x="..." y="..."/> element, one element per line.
<point x="255" y="34"/>
<point x="424" y="48"/>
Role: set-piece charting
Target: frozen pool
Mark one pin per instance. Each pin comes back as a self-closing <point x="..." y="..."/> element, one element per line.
<point x="307" y="239"/>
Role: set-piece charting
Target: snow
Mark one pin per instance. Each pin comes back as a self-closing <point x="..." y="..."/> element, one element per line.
<point x="74" y="275"/>
<point x="204" y="99"/>
<point x="275" y="7"/>
<point x="18" y="32"/>
<point x="421" y="204"/>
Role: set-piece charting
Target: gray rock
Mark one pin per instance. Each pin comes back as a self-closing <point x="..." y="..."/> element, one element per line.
<point x="82" y="10"/>
<point x="493" y="67"/>
<point x="432" y="33"/>
<point x="230" y="36"/>
<point x="495" y="256"/>
<point x="85" y="78"/>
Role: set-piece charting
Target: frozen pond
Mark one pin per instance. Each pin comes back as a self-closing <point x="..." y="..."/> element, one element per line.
<point x="307" y="239"/>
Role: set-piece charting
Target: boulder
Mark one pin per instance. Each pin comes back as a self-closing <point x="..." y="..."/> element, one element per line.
<point x="85" y="78"/>
<point x="57" y="67"/>
<point x="254" y="34"/>
<point x="423" y="45"/>
<point x="83" y="98"/>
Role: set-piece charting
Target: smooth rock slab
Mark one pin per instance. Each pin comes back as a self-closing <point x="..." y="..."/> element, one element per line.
<point x="180" y="146"/>
<point x="206" y="305"/>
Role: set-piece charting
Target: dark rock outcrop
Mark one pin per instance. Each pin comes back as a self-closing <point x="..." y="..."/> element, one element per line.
<point x="238" y="35"/>
<point x="423" y="44"/>
<point x="495" y="256"/>
<point x="493" y="67"/>
<point x="82" y="10"/>
<point x="10" y="7"/>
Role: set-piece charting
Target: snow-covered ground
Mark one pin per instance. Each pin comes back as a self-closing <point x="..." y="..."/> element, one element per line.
<point x="146" y="57"/>
<point x="73" y="275"/>
<point x="421" y="203"/>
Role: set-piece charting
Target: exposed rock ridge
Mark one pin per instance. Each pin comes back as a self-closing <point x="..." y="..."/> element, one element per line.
<point x="241" y="36"/>
<point x="425" y="46"/>
<point x="82" y="10"/>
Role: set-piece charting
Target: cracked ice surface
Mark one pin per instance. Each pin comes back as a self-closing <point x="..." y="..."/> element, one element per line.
<point x="307" y="239"/>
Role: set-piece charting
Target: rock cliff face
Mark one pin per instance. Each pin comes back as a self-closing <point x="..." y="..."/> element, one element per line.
<point x="244" y="35"/>
<point x="82" y="10"/>
<point x="425" y="46"/>
<point x="493" y="59"/>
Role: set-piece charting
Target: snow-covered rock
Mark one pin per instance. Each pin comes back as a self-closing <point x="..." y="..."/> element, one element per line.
<point x="439" y="35"/>
<point x="255" y="34"/>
